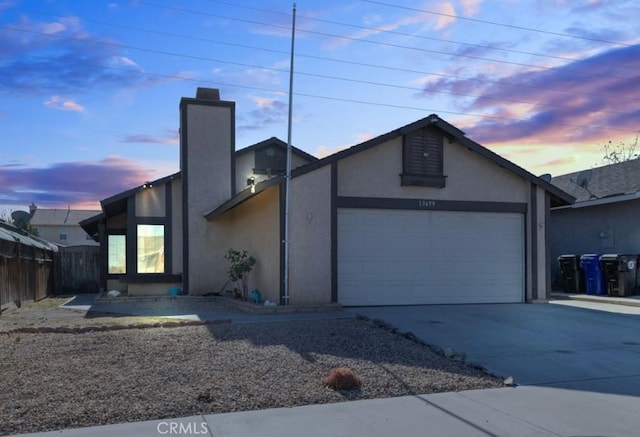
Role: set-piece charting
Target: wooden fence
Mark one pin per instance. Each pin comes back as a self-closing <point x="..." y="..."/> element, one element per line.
<point x="25" y="272"/>
<point x="77" y="270"/>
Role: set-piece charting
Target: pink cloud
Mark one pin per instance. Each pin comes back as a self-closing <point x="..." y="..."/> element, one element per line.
<point x="582" y="101"/>
<point x="70" y="182"/>
<point x="170" y="138"/>
<point x="57" y="102"/>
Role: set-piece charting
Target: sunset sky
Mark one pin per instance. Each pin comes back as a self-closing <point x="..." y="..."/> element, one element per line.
<point x="89" y="90"/>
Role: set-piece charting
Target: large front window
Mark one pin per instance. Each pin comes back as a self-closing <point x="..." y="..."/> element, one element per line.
<point x="150" y="249"/>
<point x="117" y="254"/>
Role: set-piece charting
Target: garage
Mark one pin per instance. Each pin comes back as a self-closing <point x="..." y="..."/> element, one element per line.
<point x="408" y="257"/>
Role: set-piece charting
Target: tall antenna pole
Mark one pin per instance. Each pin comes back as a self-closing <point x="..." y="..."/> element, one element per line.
<point x="288" y="175"/>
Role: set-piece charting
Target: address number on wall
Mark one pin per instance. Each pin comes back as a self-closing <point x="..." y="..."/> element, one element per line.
<point x="426" y="203"/>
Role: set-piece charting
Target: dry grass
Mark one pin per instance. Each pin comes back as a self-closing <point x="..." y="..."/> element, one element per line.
<point x="342" y="378"/>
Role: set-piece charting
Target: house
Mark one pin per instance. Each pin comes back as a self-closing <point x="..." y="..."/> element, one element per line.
<point x="62" y="226"/>
<point x="419" y="215"/>
<point x="604" y="217"/>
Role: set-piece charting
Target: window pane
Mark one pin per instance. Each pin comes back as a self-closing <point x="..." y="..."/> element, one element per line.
<point x="117" y="254"/>
<point x="150" y="248"/>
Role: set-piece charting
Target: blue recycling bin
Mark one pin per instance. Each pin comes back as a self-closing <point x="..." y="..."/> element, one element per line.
<point x="593" y="275"/>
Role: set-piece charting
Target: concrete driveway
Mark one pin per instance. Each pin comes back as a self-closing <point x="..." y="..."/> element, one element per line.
<point x="537" y="344"/>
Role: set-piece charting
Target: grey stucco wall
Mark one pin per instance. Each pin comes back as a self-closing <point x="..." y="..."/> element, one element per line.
<point x="151" y="202"/>
<point x="176" y="225"/>
<point x="253" y="226"/>
<point x="470" y="177"/>
<point x="376" y="173"/>
<point x="611" y="228"/>
<point x="310" y="238"/>
<point x="208" y="144"/>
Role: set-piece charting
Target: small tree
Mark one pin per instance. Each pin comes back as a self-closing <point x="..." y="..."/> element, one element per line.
<point x="621" y="152"/>
<point x="241" y="265"/>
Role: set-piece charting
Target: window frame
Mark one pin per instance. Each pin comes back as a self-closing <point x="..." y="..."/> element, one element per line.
<point x="119" y="233"/>
<point x="136" y="253"/>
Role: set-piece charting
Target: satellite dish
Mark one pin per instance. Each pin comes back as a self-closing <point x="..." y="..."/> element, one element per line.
<point x="20" y="218"/>
<point x="583" y="178"/>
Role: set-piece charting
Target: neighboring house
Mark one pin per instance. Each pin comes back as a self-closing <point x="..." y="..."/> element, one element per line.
<point x="419" y="215"/>
<point x="62" y="226"/>
<point x="604" y="217"/>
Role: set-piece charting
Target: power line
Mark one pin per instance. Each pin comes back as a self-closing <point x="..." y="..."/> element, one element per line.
<point x="340" y="99"/>
<point x="329" y="35"/>
<point x="404" y="34"/>
<point x="364" y="64"/>
<point x="280" y="70"/>
<point x="494" y="23"/>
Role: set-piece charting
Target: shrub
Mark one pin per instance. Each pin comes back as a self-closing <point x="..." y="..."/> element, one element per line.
<point x="241" y="265"/>
<point x="342" y="378"/>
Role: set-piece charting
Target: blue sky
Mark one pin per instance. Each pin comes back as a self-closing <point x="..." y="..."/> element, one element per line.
<point x="89" y="91"/>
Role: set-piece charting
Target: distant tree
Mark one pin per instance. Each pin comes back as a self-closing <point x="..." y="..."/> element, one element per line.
<point x="621" y="152"/>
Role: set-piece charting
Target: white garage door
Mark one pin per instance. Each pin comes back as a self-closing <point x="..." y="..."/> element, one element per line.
<point x="398" y="257"/>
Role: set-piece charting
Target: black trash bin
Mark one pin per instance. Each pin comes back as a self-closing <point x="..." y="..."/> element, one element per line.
<point x="571" y="273"/>
<point x="620" y="273"/>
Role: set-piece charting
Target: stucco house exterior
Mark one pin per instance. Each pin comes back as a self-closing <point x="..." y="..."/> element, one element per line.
<point x="418" y="215"/>
<point x="62" y="226"/>
<point x="604" y="217"/>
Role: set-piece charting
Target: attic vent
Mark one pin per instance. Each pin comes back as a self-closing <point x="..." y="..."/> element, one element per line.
<point x="270" y="160"/>
<point x="423" y="158"/>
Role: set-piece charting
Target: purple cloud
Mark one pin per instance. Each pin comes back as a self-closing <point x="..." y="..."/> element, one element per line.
<point x="70" y="183"/>
<point x="269" y="111"/>
<point x="170" y="137"/>
<point x="576" y="102"/>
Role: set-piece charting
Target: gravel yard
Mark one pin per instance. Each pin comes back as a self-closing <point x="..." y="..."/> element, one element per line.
<point x="62" y="380"/>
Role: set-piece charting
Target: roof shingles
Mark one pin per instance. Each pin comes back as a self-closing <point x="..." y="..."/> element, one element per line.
<point x="597" y="183"/>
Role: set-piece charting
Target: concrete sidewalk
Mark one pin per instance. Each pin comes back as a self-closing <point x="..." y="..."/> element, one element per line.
<point x="521" y="411"/>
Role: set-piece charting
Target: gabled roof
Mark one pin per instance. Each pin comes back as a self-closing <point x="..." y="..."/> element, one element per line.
<point x="117" y="204"/>
<point x="273" y="141"/>
<point x="606" y="184"/>
<point x="60" y="217"/>
<point x="559" y="197"/>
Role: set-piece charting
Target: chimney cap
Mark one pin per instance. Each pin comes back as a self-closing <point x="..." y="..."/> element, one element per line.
<point x="208" y="94"/>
